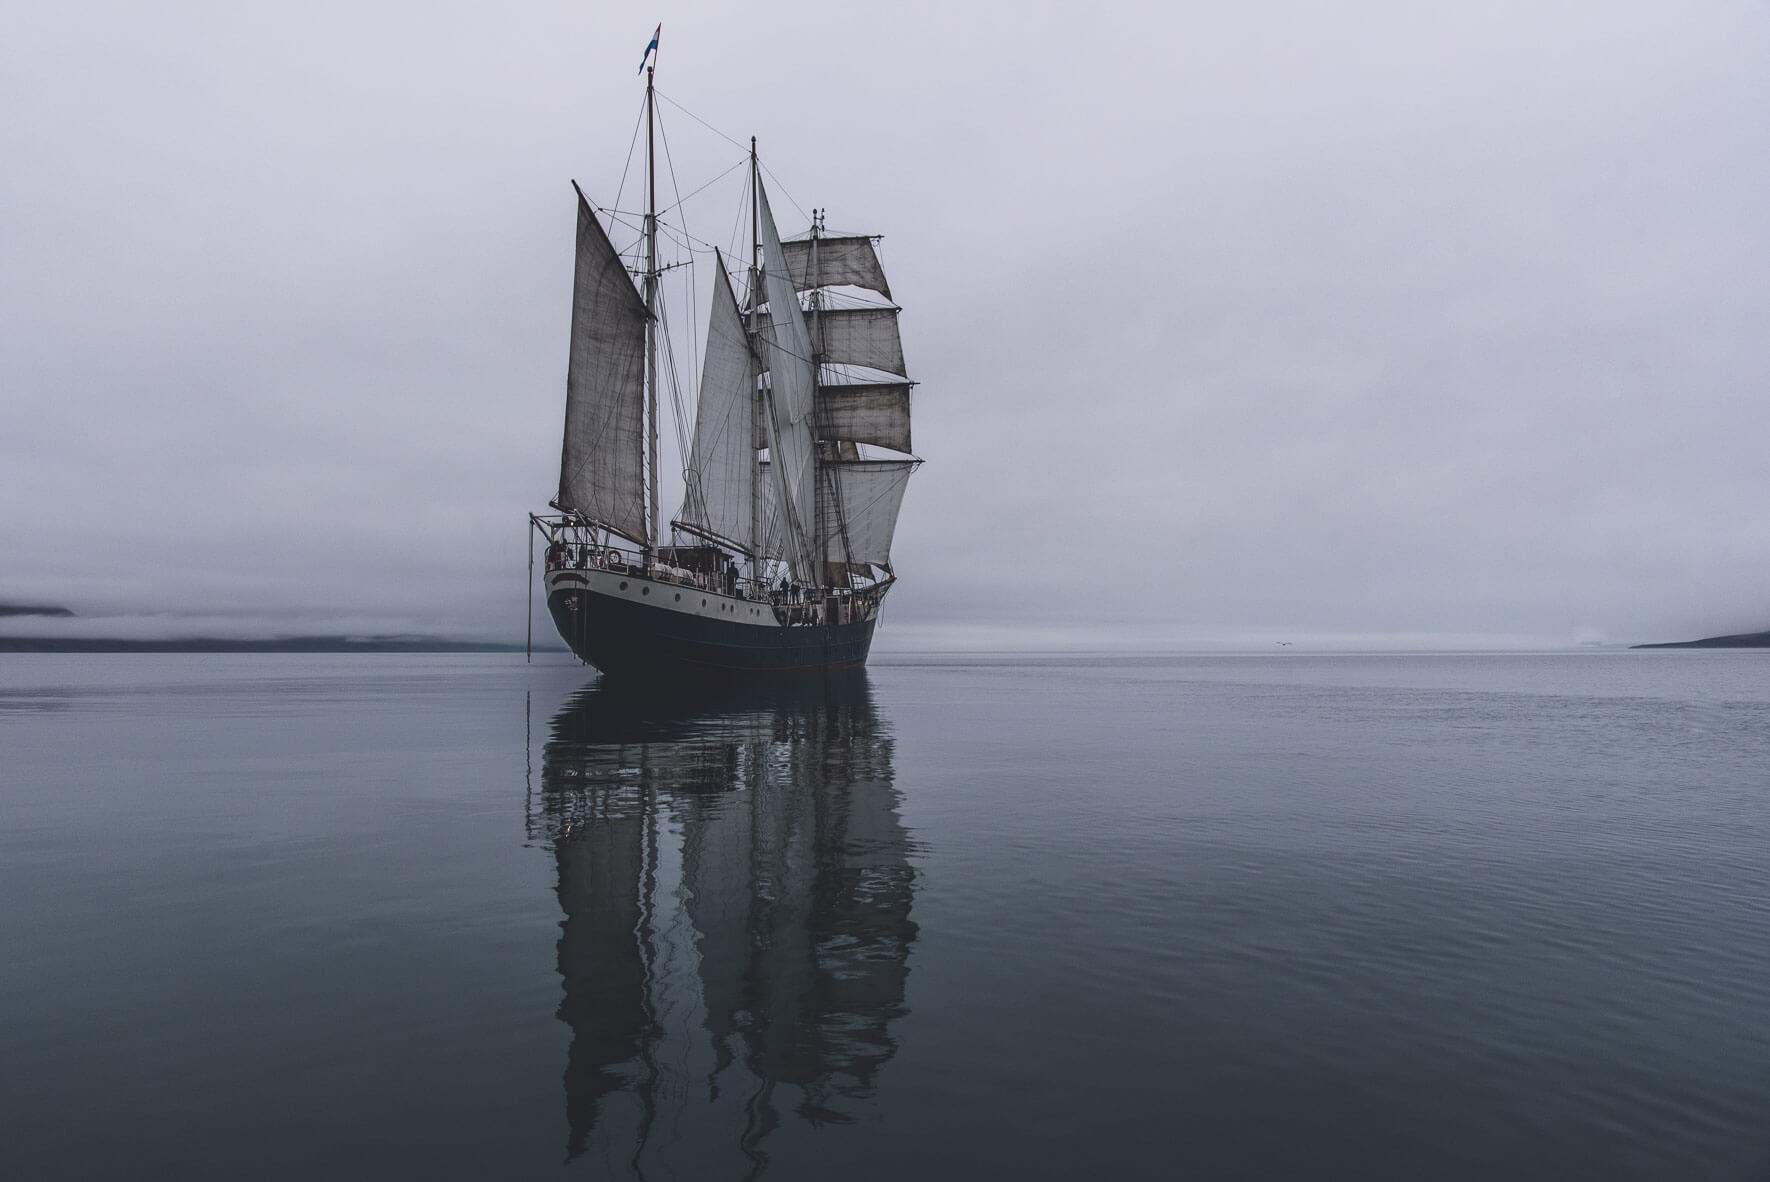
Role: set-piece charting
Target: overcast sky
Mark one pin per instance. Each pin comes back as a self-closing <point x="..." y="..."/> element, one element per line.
<point x="1233" y="322"/>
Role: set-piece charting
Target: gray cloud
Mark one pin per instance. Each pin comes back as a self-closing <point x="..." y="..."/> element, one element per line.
<point x="1318" y="320"/>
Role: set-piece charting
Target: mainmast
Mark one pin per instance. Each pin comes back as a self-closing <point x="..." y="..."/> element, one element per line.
<point x="651" y="307"/>
<point x="820" y="527"/>
<point x="755" y="388"/>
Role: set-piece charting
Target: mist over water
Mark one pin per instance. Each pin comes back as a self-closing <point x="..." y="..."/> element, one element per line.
<point x="1437" y="915"/>
<point x="1372" y="318"/>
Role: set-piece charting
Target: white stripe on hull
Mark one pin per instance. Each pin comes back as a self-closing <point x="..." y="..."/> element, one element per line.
<point x="676" y="597"/>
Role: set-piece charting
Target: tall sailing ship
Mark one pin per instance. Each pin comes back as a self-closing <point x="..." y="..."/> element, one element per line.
<point x="780" y="555"/>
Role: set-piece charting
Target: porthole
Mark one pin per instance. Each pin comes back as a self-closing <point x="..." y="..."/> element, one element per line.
<point x="679" y="597"/>
<point x="645" y="590"/>
<point x="623" y="586"/>
<point x="703" y="603"/>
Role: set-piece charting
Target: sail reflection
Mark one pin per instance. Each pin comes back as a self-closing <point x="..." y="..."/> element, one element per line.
<point x="736" y="887"/>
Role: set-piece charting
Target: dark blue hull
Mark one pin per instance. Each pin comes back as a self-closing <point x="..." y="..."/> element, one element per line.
<point x="635" y="640"/>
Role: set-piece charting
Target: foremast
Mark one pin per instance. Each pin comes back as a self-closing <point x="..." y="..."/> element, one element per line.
<point x="651" y="305"/>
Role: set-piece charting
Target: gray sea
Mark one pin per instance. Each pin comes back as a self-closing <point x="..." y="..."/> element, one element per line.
<point x="1263" y="916"/>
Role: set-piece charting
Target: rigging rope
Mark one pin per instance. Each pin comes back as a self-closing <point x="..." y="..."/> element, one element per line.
<point x="680" y="200"/>
<point x="784" y="193"/>
<point x="744" y="147"/>
<point x="694" y="312"/>
<point x="632" y="146"/>
<point x="735" y="143"/>
<point x="675" y="384"/>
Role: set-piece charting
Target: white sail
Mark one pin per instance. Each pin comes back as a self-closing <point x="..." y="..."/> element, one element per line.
<point x="722" y="465"/>
<point x="602" y="469"/>
<point x="865" y="496"/>
<point x="876" y="413"/>
<point x="791" y="399"/>
<point x="859" y="336"/>
<point x="841" y="261"/>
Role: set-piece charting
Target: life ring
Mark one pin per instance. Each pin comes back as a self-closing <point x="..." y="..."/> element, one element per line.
<point x="611" y="560"/>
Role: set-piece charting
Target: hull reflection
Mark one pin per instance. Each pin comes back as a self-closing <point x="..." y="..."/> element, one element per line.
<point x="736" y="888"/>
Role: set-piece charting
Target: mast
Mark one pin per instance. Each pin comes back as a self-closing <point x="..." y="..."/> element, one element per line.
<point x="820" y="528"/>
<point x="755" y="392"/>
<point x="651" y="308"/>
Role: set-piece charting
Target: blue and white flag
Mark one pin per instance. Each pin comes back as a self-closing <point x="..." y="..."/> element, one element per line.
<point x="652" y="48"/>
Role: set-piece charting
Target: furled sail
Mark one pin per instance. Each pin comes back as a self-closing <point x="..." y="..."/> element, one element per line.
<point x="864" y="496"/>
<point x="722" y="465"/>
<point x="792" y="393"/>
<point x="841" y="261"/>
<point x="869" y="412"/>
<point x="602" y="470"/>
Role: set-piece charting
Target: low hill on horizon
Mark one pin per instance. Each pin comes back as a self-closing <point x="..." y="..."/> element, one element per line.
<point x="1737" y="640"/>
<point x="281" y="644"/>
<point x="34" y="609"/>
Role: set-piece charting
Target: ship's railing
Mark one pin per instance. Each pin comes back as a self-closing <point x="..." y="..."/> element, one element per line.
<point x="821" y="606"/>
<point x="588" y="555"/>
<point x="570" y="555"/>
<point x="568" y="548"/>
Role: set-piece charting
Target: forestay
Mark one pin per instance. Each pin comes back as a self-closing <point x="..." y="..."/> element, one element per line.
<point x="602" y="468"/>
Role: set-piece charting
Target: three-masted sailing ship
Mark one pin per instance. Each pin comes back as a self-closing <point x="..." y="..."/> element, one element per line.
<point x="780" y="555"/>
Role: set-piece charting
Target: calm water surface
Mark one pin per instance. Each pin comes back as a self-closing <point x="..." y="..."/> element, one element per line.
<point x="1233" y="916"/>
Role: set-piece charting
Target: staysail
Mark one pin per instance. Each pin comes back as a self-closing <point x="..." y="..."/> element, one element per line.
<point x="791" y="393"/>
<point x="602" y="469"/>
<point x="722" y="466"/>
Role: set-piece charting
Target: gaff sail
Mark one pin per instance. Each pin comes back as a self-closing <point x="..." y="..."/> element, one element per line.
<point x="602" y="468"/>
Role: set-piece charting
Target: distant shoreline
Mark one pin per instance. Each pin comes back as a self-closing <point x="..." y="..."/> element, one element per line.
<point x="286" y="644"/>
<point x="34" y="609"/>
<point x="1738" y="640"/>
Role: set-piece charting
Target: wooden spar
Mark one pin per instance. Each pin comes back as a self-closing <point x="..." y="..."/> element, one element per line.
<point x="755" y="390"/>
<point x="528" y="645"/>
<point x="651" y="306"/>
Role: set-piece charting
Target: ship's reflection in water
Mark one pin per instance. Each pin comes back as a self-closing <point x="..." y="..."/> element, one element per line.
<point x="736" y="887"/>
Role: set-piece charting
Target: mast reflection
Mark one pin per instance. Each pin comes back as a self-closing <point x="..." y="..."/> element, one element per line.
<point x="736" y="887"/>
